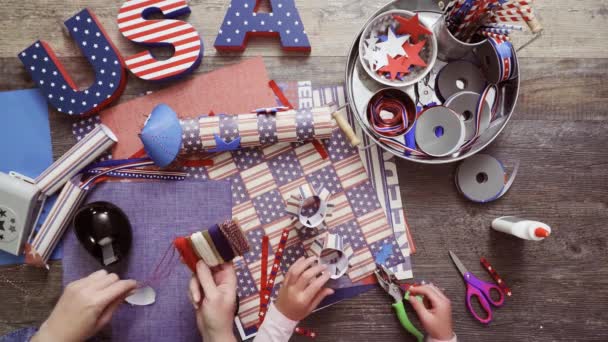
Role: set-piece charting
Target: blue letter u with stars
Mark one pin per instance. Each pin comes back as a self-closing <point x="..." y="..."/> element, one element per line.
<point x="59" y="88"/>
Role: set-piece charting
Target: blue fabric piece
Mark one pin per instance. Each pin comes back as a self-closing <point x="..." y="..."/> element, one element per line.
<point x="25" y="128"/>
<point x="159" y="211"/>
<point x="162" y="135"/>
<point x="20" y="335"/>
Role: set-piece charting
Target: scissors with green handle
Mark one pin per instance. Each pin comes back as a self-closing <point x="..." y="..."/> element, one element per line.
<point x="384" y="277"/>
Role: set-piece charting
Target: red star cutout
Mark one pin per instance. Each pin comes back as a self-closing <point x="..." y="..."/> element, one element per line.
<point x="413" y="54"/>
<point x="395" y="66"/>
<point x="411" y="26"/>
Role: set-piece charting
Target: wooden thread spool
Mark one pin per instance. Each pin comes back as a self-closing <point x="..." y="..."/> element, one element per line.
<point x="340" y="117"/>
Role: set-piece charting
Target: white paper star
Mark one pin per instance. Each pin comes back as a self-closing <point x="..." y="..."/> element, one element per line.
<point x="380" y="60"/>
<point x="393" y="46"/>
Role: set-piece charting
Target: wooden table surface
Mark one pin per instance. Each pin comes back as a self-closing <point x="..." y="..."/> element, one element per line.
<point x="558" y="133"/>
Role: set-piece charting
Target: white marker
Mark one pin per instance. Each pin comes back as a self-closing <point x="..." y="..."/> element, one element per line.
<point x="523" y="229"/>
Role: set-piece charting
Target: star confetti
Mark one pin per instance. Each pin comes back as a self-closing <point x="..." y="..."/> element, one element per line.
<point x="412" y="27"/>
<point x="380" y="59"/>
<point x="395" y="67"/>
<point x="413" y="52"/>
<point x="394" y="44"/>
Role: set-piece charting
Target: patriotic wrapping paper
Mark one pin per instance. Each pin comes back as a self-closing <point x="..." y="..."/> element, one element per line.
<point x="365" y="192"/>
<point x="55" y="83"/>
<point x="183" y="37"/>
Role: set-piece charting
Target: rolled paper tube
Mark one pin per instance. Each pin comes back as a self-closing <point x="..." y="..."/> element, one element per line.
<point x="189" y="257"/>
<point x="331" y="251"/>
<point x="220" y="242"/>
<point x="83" y="153"/>
<point x="216" y="253"/>
<point x="233" y="233"/>
<point x="44" y="242"/>
<point x="164" y="141"/>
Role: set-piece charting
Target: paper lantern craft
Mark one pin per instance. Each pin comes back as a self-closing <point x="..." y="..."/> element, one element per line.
<point x="215" y="246"/>
<point x="59" y="88"/>
<point x="242" y="21"/>
<point x="133" y="23"/>
<point x="165" y="136"/>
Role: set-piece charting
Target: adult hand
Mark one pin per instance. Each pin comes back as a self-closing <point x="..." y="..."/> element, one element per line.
<point x="302" y="289"/>
<point x="85" y="306"/>
<point x="213" y="295"/>
<point x="436" y="315"/>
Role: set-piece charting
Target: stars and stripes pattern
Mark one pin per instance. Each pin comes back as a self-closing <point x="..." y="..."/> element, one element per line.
<point x="53" y="80"/>
<point x="160" y="32"/>
<point x="263" y="178"/>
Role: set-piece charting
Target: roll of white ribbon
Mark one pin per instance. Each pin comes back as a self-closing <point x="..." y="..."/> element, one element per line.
<point x="439" y="131"/>
<point x="465" y="104"/>
<point x="482" y="178"/>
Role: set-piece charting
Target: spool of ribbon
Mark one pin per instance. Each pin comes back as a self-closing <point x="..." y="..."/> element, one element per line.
<point x="483" y="178"/>
<point x="391" y="112"/>
<point x="439" y="131"/>
<point x="164" y="136"/>
<point x="219" y="244"/>
<point x="497" y="60"/>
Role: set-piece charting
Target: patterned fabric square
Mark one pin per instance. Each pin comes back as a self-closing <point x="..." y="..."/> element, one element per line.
<point x="362" y="264"/>
<point x="351" y="171"/>
<point x="258" y="180"/>
<point x="229" y="128"/>
<point x="351" y="233"/>
<point x="288" y="189"/>
<point x="363" y="199"/>
<point x="338" y="146"/>
<point x="254" y="237"/>
<point x="387" y="245"/>
<point x="245" y="283"/>
<point x="342" y="211"/>
<point x="197" y="173"/>
<point x="310" y="159"/>
<point x="269" y="206"/>
<point x="267" y="128"/>
<point x="191" y="141"/>
<point x="304" y="125"/>
<point x="291" y="255"/>
<point x="327" y="177"/>
<point x="247" y="157"/>
<point x="223" y="166"/>
<point x="239" y="192"/>
<point x="374" y="226"/>
<point x="246" y="215"/>
<point x="285" y="168"/>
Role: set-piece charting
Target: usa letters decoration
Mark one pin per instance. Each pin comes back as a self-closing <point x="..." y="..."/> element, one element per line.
<point x="134" y="25"/>
<point x="58" y="87"/>
<point x="243" y="21"/>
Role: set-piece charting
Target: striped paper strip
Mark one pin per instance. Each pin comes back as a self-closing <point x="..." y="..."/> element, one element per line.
<point x="43" y="244"/>
<point x="83" y="153"/>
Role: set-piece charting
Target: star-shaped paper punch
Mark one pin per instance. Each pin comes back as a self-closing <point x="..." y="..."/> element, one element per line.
<point x="393" y="46"/>
<point x="412" y="26"/>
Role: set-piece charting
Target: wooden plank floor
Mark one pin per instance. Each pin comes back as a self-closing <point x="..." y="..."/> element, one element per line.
<point x="558" y="133"/>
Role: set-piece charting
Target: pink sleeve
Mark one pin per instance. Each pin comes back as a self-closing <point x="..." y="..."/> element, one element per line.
<point x="276" y="327"/>
<point x="453" y="339"/>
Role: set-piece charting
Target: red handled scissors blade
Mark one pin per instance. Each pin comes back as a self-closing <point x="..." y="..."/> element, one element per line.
<point x="479" y="289"/>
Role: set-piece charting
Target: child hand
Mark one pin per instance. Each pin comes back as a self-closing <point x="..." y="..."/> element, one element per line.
<point x="85" y="307"/>
<point x="437" y="317"/>
<point x="216" y="303"/>
<point x="302" y="289"/>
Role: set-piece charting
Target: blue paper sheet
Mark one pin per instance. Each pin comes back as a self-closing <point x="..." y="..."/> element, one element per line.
<point x="25" y="139"/>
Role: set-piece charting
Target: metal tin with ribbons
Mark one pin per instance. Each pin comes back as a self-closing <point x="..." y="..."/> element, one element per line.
<point x="360" y="88"/>
<point x="483" y="178"/>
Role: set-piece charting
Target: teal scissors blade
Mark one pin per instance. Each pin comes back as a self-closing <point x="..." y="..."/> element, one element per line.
<point x="479" y="289"/>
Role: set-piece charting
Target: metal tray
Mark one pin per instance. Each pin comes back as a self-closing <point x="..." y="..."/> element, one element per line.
<point x="360" y="87"/>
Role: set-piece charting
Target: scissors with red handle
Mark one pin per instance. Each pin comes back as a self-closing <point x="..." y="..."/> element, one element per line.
<point x="479" y="289"/>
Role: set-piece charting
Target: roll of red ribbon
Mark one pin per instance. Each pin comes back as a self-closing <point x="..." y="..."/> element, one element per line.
<point x="391" y="112"/>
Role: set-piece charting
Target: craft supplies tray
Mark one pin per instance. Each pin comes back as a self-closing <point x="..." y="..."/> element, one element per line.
<point x="361" y="87"/>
